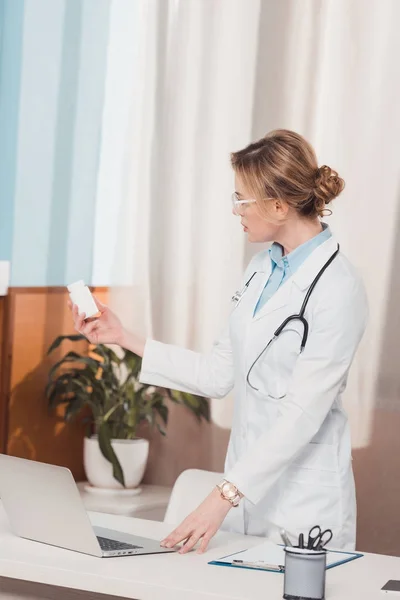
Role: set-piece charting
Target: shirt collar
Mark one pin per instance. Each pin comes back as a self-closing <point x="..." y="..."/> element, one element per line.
<point x="294" y="259"/>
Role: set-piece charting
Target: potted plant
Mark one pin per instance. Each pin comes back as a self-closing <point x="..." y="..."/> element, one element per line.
<point x="108" y="385"/>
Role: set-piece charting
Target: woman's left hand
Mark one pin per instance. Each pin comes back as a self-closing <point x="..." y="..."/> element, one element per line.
<point x="202" y="524"/>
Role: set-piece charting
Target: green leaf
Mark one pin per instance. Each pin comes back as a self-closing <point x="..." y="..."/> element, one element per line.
<point x="162" y="411"/>
<point x="175" y="396"/>
<point x="61" y="338"/>
<point x="160" y="429"/>
<point x="49" y="388"/>
<point x="132" y="362"/>
<point x="107" y="354"/>
<point x="74" y="357"/>
<point x="107" y="451"/>
<point x="55" y="399"/>
<point x="205" y="409"/>
<point x="77" y="383"/>
<point x="74" y="407"/>
<point x="197" y="404"/>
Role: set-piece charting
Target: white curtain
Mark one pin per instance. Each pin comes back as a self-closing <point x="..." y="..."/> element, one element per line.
<point x="335" y="78"/>
<point x="178" y="252"/>
<point x="190" y="81"/>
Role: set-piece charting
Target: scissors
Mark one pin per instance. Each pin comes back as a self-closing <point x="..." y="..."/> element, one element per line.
<point x="317" y="538"/>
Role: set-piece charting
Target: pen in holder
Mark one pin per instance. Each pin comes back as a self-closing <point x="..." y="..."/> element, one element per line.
<point x="304" y="574"/>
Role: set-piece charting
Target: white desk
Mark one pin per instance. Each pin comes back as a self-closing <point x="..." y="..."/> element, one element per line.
<point x="151" y="503"/>
<point x="168" y="576"/>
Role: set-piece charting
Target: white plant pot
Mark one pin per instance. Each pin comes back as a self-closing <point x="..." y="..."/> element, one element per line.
<point x="132" y="455"/>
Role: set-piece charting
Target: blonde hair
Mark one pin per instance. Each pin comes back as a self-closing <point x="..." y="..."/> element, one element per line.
<point x="283" y="165"/>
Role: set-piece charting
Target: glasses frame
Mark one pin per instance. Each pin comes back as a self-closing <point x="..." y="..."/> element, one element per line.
<point x="236" y="203"/>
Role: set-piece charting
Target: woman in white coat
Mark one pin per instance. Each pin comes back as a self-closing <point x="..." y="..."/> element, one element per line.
<point x="289" y="458"/>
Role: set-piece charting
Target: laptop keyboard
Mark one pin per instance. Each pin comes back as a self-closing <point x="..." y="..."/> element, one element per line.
<point x="106" y="544"/>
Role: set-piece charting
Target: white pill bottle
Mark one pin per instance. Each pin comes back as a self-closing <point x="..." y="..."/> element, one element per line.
<point x="82" y="297"/>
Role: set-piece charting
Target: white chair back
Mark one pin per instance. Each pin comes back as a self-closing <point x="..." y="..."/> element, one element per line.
<point x="190" y="489"/>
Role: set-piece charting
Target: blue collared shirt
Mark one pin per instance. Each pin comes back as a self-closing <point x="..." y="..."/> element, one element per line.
<point x="283" y="267"/>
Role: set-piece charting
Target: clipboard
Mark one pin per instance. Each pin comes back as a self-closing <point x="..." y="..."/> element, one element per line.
<point x="271" y="557"/>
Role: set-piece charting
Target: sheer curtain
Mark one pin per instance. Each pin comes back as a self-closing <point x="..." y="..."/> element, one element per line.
<point x="334" y="78"/>
<point x="194" y="81"/>
<point x="176" y="252"/>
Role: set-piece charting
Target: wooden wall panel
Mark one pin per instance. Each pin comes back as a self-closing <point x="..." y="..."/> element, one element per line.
<point x="37" y="316"/>
<point x="2" y="299"/>
<point x="5" y="353"/>
<point x="2" y="389"/>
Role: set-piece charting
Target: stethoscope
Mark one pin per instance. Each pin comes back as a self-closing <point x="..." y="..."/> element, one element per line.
<point x="296" y="317"/>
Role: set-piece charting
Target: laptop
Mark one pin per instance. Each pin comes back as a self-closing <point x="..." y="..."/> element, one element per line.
<point x="43" y="504"/>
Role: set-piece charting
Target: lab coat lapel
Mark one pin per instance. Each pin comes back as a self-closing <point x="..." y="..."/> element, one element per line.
<point x="303" y="278"/>
<point x="278" y="300"/>
<point x="256" y="287"/>
<point x="307" y="272"/>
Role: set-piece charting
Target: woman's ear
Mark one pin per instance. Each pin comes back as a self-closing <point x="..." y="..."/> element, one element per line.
<point x="281" y="209"/>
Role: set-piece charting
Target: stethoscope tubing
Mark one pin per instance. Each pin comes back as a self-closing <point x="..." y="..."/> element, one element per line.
<point x="296" y="317"/>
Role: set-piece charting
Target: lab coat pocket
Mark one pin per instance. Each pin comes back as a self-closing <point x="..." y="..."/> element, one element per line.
<point x="274" y="370"/>
<point x="315" y="456"/>
<point x="311" y="492"/>
<point x="305" y="503"/>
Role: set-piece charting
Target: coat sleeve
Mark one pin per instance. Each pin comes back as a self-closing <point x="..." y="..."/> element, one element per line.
<point x="173" y="367"/>
<point x="209" y="375"/>
<point x="319" y="375"/>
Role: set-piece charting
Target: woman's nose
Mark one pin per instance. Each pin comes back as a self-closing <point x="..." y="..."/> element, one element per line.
<point x="236" y="211"/>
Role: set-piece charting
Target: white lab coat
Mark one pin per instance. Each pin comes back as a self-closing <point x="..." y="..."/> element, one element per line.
<point x="290" y="449"/>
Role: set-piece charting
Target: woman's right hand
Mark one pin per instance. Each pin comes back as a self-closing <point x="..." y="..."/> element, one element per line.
<point x="103" y="329"/>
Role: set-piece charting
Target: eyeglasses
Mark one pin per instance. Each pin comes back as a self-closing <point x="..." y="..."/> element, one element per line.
<point x="239" y="205"/>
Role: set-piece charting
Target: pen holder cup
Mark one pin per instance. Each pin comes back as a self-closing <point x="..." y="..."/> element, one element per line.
<point x="304" y="574"/>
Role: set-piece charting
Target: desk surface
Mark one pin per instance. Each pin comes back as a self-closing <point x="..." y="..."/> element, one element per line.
<point x="173" y="576"/>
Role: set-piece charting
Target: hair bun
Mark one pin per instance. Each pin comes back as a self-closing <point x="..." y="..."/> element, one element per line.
<point x="328" y="185"/>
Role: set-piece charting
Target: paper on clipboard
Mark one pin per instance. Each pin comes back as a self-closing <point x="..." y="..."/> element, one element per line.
<point x="273" y="554"/>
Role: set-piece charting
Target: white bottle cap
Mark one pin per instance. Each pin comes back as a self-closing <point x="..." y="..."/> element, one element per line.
<point x="74" y="286"/>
